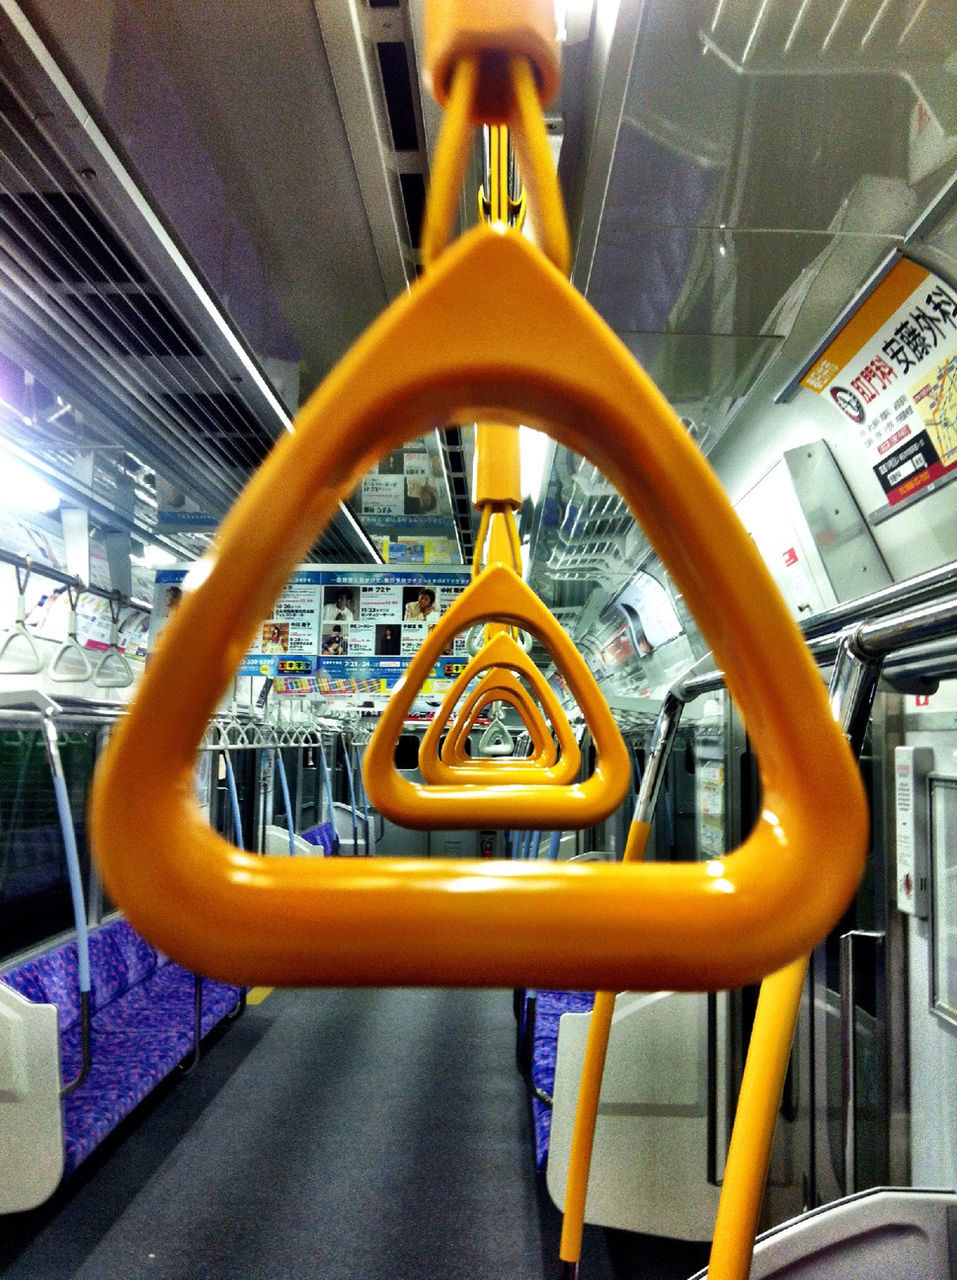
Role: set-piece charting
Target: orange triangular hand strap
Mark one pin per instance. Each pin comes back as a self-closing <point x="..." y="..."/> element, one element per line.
<point x="491" y="333"/>
<point x="503" y="655"/>
<point x="500" y="687"/>
<point x="499" y="593"/>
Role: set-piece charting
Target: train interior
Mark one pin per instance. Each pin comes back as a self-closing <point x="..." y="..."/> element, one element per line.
<point x="202" y="209"/>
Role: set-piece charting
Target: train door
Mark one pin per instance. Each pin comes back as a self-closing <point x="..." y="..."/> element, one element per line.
<point x="843" y="1112"/>
<point x="675" y="831"/>
<point x="714" y="805"/>
<point x="848" y="992"/>
<point x="728" y="801"/>
<point x="924" y="906"/>
<point x="726" y="796"/>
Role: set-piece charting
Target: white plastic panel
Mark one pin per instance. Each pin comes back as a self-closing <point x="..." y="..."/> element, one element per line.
<point x="649" y="1163"/>
<point x="276" y="843"/>
<point x="772" y="515"/>
<point x="31" y="1116"/>
<point x="878" y="1235"/>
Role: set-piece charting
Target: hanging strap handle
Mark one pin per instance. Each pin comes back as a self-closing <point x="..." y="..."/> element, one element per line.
<point x="534" y="353"/>
<point x="497" y="745"/>
<point x="503" y="686"/>
<point x="557" y="365"/>
<point x="496" y="740"/>
<point x="495" y="62"/>
<point x="113" y="670"/>
<point x="71" y="661"/>
<point x="500" y="594"/>
<point x="502" y="654"/>
<point x="19" y="654"/>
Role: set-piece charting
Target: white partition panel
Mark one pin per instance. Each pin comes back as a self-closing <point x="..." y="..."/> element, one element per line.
<point x="649" y="1164"/>
<point x="31" y="1114"/>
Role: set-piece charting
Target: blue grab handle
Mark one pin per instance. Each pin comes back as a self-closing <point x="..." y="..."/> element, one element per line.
<point x="284" y="783"/>
<point x="234" y="800"/>
<point x="76" y="882"/>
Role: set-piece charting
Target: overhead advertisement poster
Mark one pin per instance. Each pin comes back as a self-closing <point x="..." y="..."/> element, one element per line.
<point x="345" y="631"/>
<point x="405" y="484"/>
<point x="892" y="373"/>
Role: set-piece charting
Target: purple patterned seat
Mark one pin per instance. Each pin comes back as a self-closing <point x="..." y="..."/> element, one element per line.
<point x="549" y="1007"/>
<point x="51" y="979"/>
<point x="324" y="837"/>
<point x="142" y="1024"/>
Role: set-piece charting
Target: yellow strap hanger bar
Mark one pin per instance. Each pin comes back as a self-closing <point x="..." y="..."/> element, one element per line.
<point x="459" y="30"/>
<point x="545" y="208"/>
<point x="745" y="1173"/>
<point x="498" y="170"/>
<point x="498" y="468"/>
<point x="501" y="655"/>
<point x="533" y="353"/>
<point x="589" y="1090"/>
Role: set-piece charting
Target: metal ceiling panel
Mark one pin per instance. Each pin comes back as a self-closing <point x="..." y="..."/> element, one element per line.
<point x="677" y="205"/>
<point x="103" y="308"/>
<point x="758" y="165"/>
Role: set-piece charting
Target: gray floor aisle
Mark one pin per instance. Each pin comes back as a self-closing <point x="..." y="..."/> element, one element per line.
<point x="327" y="1135"/>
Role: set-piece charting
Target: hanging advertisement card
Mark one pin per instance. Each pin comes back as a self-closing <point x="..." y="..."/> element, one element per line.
<point x="892" y="374"/>
<point x="340" y="631"/>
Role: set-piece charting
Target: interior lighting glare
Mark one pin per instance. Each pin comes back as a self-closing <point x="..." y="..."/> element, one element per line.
<point x="534" y="451"/>
<point x="23" y="490"/>
<point x="159" y="557"/>
<point x="198" y="572"/>
<point x="154" y="557"/>
<point x="573" y="19"/>
<point x="774" y="822"/>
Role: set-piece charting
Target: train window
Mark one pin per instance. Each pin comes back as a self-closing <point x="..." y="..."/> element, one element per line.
<point x="35" y="901"/>
<point x="650" y="613"/>
<point x="407" y="752"/>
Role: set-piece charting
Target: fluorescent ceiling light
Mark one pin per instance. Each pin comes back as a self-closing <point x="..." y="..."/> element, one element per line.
<point x="23" y="490"/>
<point x="535" y="452"/>
<point x="154" y="557"/>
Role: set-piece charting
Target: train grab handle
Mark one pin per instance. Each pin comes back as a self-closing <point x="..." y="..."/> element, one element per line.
<point x="499" y="593"/>
<point x="490" y="700"/>
<point x="501" y="688"/>
<point x="503" y="660"/>
<point x="534" y="352"/>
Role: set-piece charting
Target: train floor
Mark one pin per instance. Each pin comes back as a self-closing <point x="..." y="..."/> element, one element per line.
<point x="328" y="1135"/>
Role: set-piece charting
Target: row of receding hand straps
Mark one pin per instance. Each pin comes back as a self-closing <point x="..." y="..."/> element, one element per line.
<point x="555" y="759"/>
<point x="493" y="331"/>
<point x="514" y="788"/>
<point x="500" y="665"/>
<point x="20" y="655"/>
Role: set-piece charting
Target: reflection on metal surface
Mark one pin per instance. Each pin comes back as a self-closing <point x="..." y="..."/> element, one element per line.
<point x="853" y="562"/>
<point x="768" y="38"/>
<point x="700" y="237"/>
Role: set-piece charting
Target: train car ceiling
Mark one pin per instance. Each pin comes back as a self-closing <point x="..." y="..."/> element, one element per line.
<point x="203" y="209"/>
